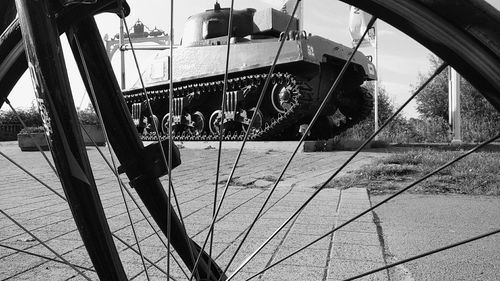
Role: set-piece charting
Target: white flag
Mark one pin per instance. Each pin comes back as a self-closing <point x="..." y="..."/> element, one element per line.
<point x="358" y="22"/>
<point x="288" y="6"/>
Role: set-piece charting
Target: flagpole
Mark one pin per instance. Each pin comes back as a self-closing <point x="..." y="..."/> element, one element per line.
<point x="454" y="109"/>
<point x="122" y="56"/>
<point x="375" y="92"/>
<point x="358" y="20"/>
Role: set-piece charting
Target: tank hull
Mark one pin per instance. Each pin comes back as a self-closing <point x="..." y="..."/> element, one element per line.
<point x="207" y="62"/>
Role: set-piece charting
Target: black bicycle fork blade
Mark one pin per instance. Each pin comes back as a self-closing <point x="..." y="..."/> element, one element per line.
<point x="51" y="83"/>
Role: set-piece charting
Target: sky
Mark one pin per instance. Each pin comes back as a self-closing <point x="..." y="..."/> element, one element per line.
<point x="400" y="58"/>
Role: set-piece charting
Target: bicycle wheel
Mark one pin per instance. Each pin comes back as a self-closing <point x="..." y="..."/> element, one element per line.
<point x="470" y="45"/>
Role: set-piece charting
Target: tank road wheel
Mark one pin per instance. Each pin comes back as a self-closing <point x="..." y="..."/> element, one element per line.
<point x="193" y="124"/>
<point x="198" y="121"/>
<point x="164" y="125"/>
<point x="215" y="122"/>
<point x="152" y="124"/>
<point x="257" y="124"/>
<point x="281" y="98"/>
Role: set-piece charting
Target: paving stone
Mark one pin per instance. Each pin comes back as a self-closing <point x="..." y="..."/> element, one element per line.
<point x="307" y="257"/>
<point x="358" y="238"/>
<point x="341" y="269"/>
<point x="358" y="226"/>
<point x="290" y="272"/>
<point x="349" y="251"/>
<point x="295" y="241"/>
<point x="355" y="246"/>
<point x="263" y="183"/>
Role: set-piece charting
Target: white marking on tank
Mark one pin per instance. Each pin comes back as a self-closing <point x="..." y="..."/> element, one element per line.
<point x="310" y="50"/>
<point x="371" y="69"/>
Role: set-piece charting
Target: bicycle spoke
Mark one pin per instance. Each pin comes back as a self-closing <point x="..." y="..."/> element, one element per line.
<point x="438" y="70"/>
<point x="51" y="83"/>
<point x="36" y="143"/>
<point x="285" y="168"/>
<point x="113" y="168"/>
<point x="381" y="202"/>
<point x="135" y="251"/>
<point x="221" y="129"/>
<point x="426" y="254"/>
<point x="63" y="198"/>
<point x="170" y="140"/>
<point x="131" y="196"/>
<point x="134" y="232"/>
<point x="155" y="198"/>
<point x="158" y="136"/>
<point x="129" y="149"/>
<point x="45" y="245"/>
<point x="33" y="176"/>
<point x="252" y="120"/>
<point x="44" y="257"/>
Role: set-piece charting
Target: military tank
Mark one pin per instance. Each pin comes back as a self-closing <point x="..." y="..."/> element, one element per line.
<point x="305" y="71"/>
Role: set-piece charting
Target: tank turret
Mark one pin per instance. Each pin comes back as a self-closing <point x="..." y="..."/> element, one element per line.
<point x="211" y="24"/>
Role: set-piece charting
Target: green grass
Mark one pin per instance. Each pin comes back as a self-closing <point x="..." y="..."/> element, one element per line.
<point x="477" y="174"/>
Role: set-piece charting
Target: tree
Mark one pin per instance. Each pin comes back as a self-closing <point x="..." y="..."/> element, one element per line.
<point x="433" y="100"/>
<point x="480" y="120"/>
<point x="385" y="105"/>
<point x="31" y="116"/>
<point x="365" y="128"/>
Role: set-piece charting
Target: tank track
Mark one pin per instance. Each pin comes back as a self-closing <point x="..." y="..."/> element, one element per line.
<point x="301" y="106"/>
<point x="270" y="130"/>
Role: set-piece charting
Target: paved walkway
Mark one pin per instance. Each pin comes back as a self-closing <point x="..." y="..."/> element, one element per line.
<point x="354" y="249"/>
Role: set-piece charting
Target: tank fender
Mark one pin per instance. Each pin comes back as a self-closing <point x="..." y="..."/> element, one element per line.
<point x="316" y="49"/>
